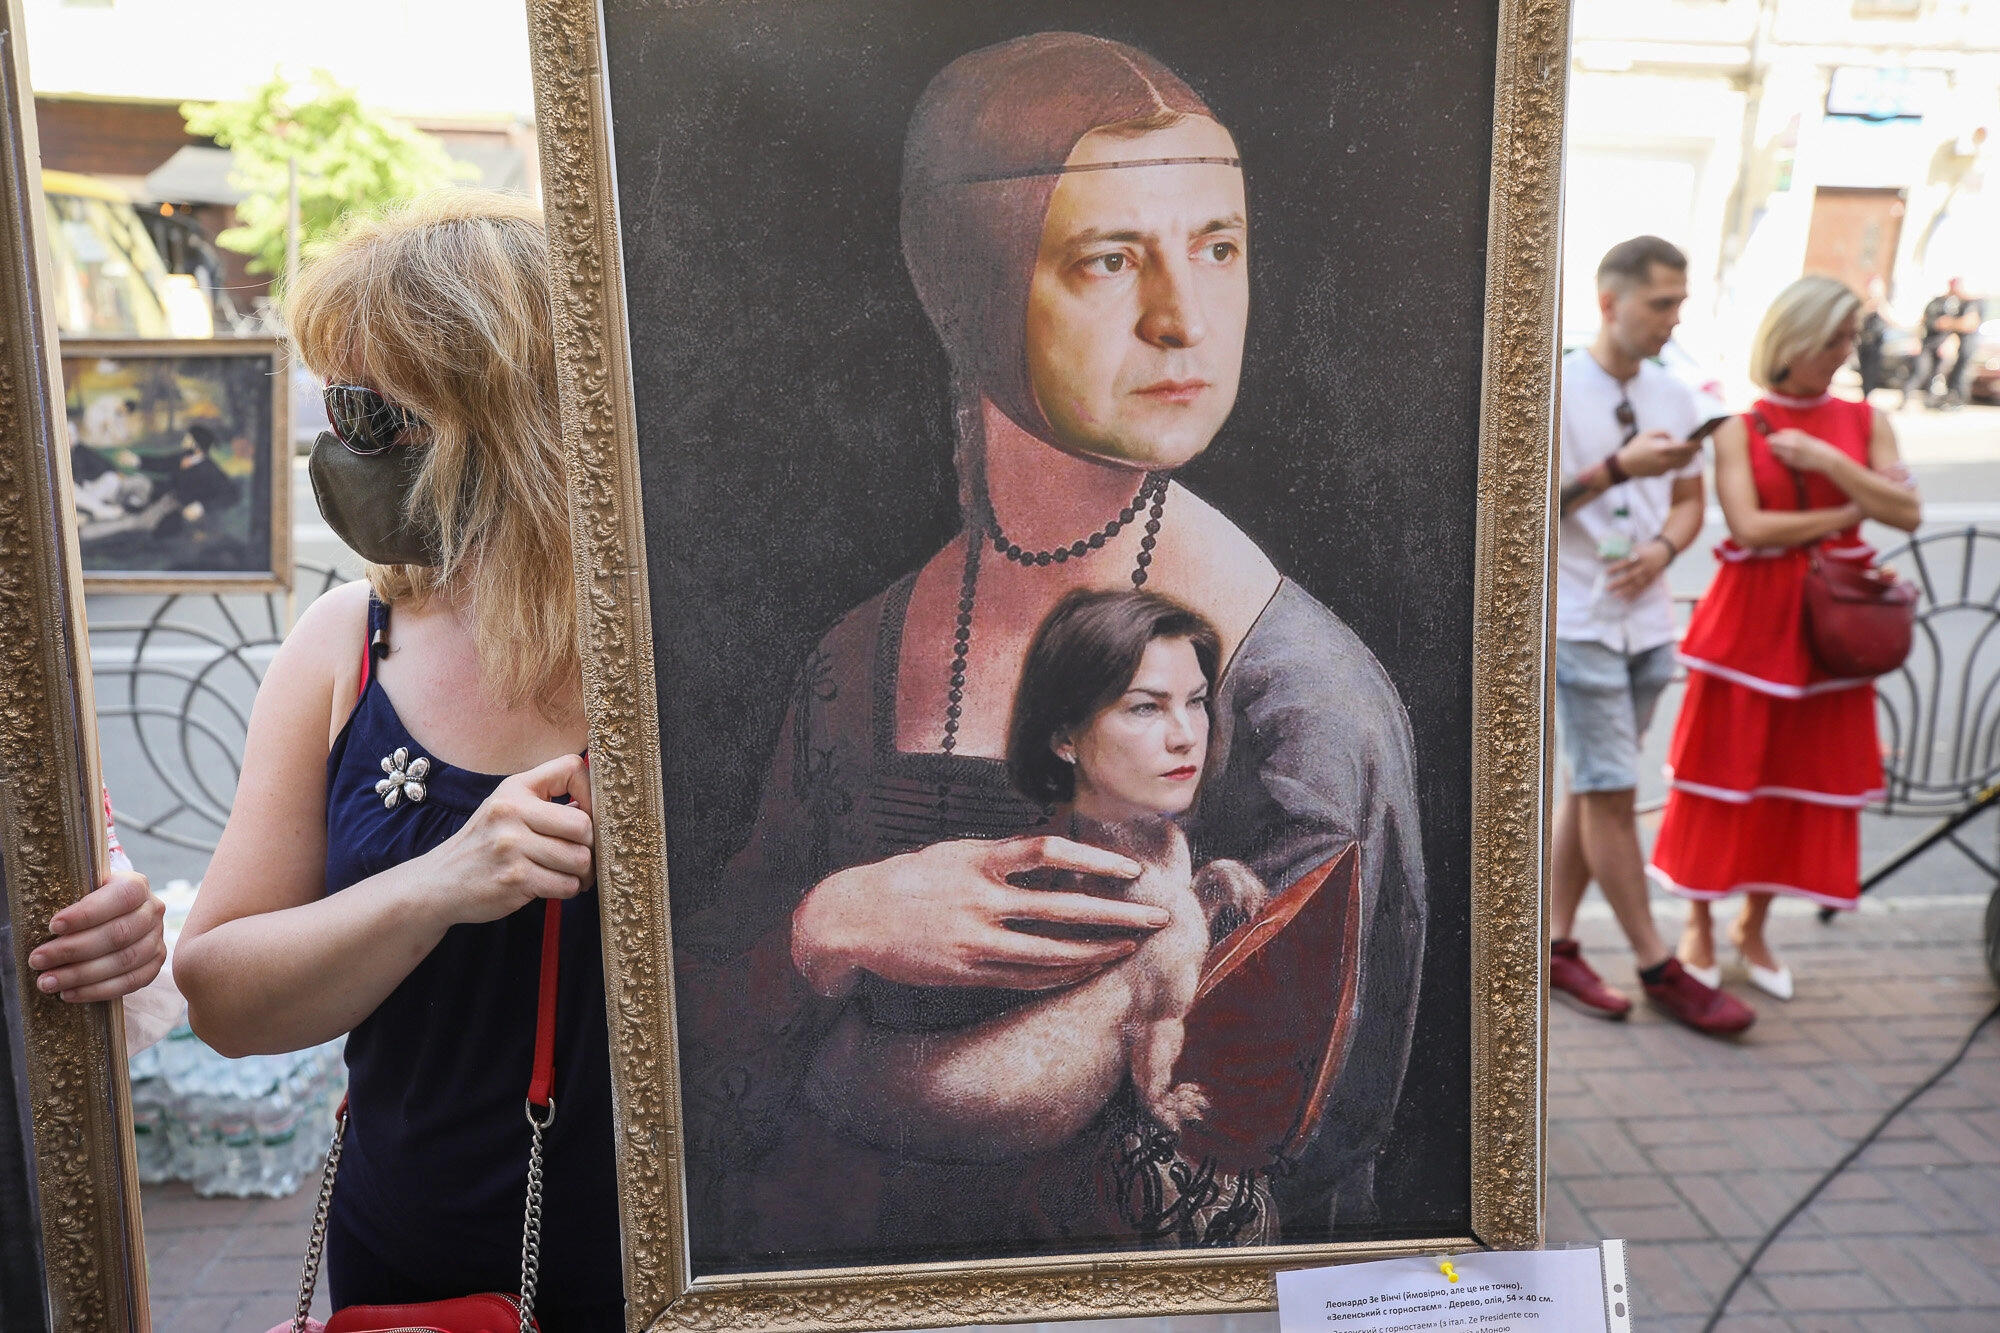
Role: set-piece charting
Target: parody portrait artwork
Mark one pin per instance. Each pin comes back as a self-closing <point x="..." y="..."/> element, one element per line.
<point x="170" y="460"/>
<point x="1058" y="485"/>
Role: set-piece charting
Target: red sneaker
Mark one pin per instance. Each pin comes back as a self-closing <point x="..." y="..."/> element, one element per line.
<point x="1573" y="981"/>
<point x="1703" y="1008"/>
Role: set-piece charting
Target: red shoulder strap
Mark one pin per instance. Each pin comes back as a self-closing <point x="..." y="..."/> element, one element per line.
<point x="1760" y="425"/>
<point x="367" y="662"/>
<point x="376" y="637"/>
<point x="541" y="1086"/>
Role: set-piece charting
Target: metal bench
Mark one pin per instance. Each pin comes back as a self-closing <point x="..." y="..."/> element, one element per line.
<point x="1939" y="715"/>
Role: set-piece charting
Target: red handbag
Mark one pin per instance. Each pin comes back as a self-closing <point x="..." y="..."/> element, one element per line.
<point x="487" y="1312"/>
<point x="1860" y="620"/>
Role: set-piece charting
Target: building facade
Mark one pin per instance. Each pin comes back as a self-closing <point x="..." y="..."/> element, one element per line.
<point x="110" y="77"/>
<point x="1772" y="138"/>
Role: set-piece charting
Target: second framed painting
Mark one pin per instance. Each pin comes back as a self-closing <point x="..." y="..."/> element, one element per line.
<point x="1061" y="500"/>
<point x="180" y="458"/>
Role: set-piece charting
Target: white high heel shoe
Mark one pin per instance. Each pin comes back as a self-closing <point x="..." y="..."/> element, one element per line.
<point x="1710" y="976"/>
<point x="1774" y="982"/>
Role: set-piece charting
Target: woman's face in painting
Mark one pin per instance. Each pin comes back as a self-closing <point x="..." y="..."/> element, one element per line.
<point x="1141" y="297"/>
<point x="1143" y="755"/>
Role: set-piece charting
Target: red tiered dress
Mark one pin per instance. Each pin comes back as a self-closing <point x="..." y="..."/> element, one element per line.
<point x="1772" y="759"/>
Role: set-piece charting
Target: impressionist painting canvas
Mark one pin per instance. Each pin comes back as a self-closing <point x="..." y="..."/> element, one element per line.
<point x="172" y="460"/>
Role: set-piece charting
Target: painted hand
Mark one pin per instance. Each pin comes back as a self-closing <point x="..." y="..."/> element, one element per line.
<point x="940" y="916"/>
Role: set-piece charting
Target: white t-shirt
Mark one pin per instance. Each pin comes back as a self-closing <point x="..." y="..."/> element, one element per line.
<point x="1590" y="432"/>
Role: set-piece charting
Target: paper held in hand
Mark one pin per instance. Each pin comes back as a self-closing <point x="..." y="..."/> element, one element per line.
<point x="1527" y="1291"/>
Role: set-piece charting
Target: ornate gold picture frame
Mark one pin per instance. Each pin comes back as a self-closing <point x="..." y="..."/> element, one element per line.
<point x="52" y="833"/>
<point x="595" y="193"/>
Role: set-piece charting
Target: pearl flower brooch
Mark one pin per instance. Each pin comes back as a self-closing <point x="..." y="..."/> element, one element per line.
<point x="406" y="778"/>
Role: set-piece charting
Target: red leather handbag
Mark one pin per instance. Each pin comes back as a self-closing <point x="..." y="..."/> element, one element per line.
<point x="487" y="1312"/>
<point x="1860" y="620"/>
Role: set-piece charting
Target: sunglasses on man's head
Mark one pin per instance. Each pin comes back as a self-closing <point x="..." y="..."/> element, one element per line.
<point x="363" y="420"/>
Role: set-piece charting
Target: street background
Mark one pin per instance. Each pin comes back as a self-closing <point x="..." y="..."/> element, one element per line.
<point x="1687" y="1147"/>
<point x="1765" y="137"/>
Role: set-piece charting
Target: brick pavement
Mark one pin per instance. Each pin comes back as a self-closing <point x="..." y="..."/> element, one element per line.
<point x="225" y="1265"/>
<point x="1690" y="1148"/>
<point x="1687" y="1147"/>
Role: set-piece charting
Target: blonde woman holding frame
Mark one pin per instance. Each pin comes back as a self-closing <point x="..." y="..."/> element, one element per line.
<point x="413" y="786"/>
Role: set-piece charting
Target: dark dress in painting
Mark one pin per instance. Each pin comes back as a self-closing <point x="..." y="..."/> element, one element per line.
<point x="1313" y="752"/>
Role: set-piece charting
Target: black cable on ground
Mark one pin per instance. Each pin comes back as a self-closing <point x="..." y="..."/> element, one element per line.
<point x="1743" y="1273"/>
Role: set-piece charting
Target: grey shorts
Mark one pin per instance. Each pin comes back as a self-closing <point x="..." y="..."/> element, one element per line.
<point x="1604" y="703"/>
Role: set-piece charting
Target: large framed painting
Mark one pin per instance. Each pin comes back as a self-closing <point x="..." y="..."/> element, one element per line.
<point x="1061" y="497"/>
<point x="180" y="463"/>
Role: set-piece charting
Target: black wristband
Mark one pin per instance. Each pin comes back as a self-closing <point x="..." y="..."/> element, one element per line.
<point x="1673" y="551"/>
<point x="1614" y="469"/>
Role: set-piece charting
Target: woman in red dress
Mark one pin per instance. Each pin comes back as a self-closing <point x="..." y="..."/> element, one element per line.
<point x="1772" y="759"/>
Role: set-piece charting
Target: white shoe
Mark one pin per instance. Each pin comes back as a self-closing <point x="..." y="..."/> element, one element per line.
<point x="1774" y="982"/>
<point x="1710" y="976"/>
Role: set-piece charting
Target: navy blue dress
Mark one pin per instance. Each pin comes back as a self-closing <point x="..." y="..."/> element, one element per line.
<point x="434" y="1172"/>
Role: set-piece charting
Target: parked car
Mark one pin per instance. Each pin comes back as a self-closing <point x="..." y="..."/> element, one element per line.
<point x="1985" y="386"/>
<point x="1900" y="349"/>
<point x="107" y="275"/>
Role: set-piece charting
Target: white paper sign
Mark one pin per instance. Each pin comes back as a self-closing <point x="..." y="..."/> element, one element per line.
<point x="1533" y="1291"/>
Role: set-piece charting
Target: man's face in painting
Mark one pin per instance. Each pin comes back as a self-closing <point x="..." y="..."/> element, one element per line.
<point x="1141" y="297"/>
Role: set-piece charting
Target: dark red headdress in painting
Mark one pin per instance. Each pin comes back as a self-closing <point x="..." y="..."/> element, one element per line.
<point x="987" y="145"/>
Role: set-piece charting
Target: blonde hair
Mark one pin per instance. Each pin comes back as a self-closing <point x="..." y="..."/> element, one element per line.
<point x="1802" y="319"/>
<point x="442" y="307"/>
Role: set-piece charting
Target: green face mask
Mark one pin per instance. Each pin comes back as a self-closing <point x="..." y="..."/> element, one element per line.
<point x="365" y="499"/>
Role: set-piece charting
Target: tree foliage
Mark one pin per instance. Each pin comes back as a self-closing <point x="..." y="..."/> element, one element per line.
<point x="351" y="161"/>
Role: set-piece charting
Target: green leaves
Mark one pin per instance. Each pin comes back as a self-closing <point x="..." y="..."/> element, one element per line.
<point x="351" y="161"/>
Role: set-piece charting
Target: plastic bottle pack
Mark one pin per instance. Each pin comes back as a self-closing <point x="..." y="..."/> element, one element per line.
<point x="258" y="1125"/>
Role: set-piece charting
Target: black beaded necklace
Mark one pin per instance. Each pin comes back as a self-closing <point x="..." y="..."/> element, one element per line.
<point x="1152" y="497"/>
<point x="1153" y="487"/>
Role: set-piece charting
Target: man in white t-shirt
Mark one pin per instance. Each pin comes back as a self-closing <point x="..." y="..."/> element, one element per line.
<point x="1631" y="502"/>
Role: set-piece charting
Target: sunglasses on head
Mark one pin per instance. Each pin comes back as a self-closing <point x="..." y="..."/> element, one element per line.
<point x="363" y="420"/>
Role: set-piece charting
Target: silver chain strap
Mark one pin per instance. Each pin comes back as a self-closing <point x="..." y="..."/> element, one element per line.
<point x="531" y="1222"/>
<point x="309" y="1274"/>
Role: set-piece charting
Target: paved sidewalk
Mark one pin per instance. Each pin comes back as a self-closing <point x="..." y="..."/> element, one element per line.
<point x="225" y="1265"/>
<point x="1691" y="1148"/>
<point x="1685" y="1146"/>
